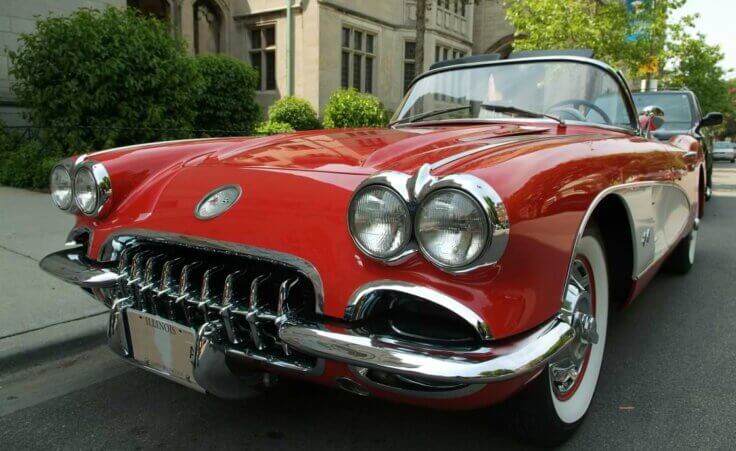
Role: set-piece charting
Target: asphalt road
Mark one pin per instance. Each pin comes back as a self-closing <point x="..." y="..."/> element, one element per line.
<point x="668" y="382"/>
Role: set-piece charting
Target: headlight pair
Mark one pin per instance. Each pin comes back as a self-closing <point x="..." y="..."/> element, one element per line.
<point x="450" y="227"/>
<point x="86" y="187"/>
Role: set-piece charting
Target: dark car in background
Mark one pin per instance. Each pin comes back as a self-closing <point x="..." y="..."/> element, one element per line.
<point x="682" y="116"/>
<point x="724" y="150"/>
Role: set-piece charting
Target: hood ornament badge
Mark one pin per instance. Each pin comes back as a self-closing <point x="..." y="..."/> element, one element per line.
<point x="217" y="202"/>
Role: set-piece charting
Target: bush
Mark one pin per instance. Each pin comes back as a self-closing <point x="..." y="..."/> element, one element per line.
<point x="26" y="164"/>
<point x="350" y="108"/>
<point x="226" y="100"/>
<point x="294" y="111"/>
<point x="96" y="79"/>
<point x="272" y="128"/>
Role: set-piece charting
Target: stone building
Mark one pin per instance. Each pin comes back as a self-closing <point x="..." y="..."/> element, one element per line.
<point x="308" y="48"/>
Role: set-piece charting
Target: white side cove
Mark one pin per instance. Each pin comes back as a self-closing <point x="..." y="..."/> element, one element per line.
<point x="659" y="213"/>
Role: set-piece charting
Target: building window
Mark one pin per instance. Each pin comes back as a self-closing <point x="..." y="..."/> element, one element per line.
<point x="263" y="56"/>
<point x="442" y="53"/>
<point x="358" y="55"/>
<point x="207" y="27"/>
<point x="410" y="66"/>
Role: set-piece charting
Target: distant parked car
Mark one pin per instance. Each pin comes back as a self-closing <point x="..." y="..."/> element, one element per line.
<point x="683" y="116"/>
<point x="724" y="150"/>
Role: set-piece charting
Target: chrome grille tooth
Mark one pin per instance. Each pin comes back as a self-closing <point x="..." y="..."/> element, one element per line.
<point x="137" y="270"/>
<point x="228" y="291"/>
<point x="168" y="279"/>
<point x="284" y="290"/>
<point x="228" y="301"/>
<point x="206" y="293"/>
<point x="254" y="305"/>
<point x="282" y="307"/>
<point x="149" y="282"/>
<point x="185" y="285"/>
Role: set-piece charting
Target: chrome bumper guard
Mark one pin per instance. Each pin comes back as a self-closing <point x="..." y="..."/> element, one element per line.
<point x="498" y="361"/>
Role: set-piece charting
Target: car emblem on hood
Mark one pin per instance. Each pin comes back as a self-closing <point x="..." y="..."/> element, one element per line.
<point x="217" y="202"/>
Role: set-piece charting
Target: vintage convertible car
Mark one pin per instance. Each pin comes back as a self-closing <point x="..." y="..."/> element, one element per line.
<point x="467" y="254"/>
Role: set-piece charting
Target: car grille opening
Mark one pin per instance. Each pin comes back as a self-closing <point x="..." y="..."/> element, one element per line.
<point x="245" y="297"/>
<point x="412" y="319"/>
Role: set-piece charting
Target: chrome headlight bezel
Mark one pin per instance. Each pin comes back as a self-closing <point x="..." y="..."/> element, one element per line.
<point x="103" y="188"/>
<point x="482" y="215"/>
<point x="406" y="247"/>
<point x="67" y="173"/>
<point x="414" y="189"/>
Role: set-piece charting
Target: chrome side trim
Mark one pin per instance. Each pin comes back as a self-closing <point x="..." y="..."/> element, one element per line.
<point x="113" y="245"/>
<point x="503" y="362"/>
<point x="72" y="266"/>
<point x="363" y="299"/>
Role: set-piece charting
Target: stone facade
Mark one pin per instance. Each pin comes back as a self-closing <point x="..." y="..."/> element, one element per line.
<point x="335" y="43"/>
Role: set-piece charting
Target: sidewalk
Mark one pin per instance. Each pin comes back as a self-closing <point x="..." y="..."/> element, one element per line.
<point x="36" y="309"/>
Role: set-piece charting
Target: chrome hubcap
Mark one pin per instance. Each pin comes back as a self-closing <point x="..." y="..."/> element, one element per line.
<point x="569" y="365"/>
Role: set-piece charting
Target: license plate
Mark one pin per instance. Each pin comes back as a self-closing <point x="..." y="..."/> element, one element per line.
<point x="162" y="344"/>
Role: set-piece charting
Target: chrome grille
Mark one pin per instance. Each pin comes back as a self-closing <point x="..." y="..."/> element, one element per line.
<point x="242" y="300"/>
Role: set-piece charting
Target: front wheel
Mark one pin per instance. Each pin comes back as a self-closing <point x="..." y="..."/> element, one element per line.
<point x="552" y="407"/>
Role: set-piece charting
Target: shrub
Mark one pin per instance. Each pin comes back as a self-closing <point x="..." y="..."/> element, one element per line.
<point x="26" y="164"/>
<point x="99" y="79"/>
<point x="226" y="100"/>
<point x="294" y="111"/>
<point x="350" y="108"/>
<point x="272" y="128"/>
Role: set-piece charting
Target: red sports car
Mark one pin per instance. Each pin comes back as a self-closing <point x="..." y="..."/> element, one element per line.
<point x="467" y="254"/>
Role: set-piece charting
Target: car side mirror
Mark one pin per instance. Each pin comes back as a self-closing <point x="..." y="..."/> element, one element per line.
<point x="711" y="119"/>
<point x="651" y="118"/>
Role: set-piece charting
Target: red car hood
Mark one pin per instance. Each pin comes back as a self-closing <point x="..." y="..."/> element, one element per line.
<point x="363" y="150"/>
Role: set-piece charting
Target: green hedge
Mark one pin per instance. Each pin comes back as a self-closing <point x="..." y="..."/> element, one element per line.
<point x="294" y="111"/>
<point x="272" y="128"/>
<point x="350" y="108"/>
<point x="226" y="101"/>
<point x="25" y="164"/>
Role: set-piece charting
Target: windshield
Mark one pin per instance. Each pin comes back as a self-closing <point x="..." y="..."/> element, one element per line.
<point x="724" y="145"/>
<point x="676" y="106"/>
<point x="569" y="90"/>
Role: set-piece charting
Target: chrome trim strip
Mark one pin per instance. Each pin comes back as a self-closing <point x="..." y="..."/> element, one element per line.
<point x="363" y="299"/>
<point x="72" y="266"/>
<point x="113" y="244"/>
<point x="506" y="361"/>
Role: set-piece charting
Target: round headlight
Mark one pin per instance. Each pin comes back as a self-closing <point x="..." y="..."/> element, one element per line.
<point x="379" y="221"/>
<point x="451" y="228"/>
<point x="61" y="187"/>
<point x="85" y="191"/>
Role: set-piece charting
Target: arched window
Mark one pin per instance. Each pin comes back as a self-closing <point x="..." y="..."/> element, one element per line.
<point x="207" y="27"/>
<point x="158" y="8"/>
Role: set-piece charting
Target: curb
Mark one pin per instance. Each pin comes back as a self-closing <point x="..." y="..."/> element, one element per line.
<point x="53" y="342"/>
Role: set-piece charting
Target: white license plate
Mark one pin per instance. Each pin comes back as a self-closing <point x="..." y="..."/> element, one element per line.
<point x="162" y="345"/>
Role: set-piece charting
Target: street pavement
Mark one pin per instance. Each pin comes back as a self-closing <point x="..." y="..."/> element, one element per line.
<point x="667" y="380"/>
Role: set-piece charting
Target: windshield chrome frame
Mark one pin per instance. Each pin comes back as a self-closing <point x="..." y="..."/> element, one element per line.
<point x="615" y="74"/>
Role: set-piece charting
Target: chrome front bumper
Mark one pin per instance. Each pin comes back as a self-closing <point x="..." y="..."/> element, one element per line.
<point x="329" y="339"/>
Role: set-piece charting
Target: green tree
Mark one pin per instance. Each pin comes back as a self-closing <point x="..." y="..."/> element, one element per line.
<point x="694" y="64"/>
<point x="97" y="79"/>
<point x="630" y="40"/>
